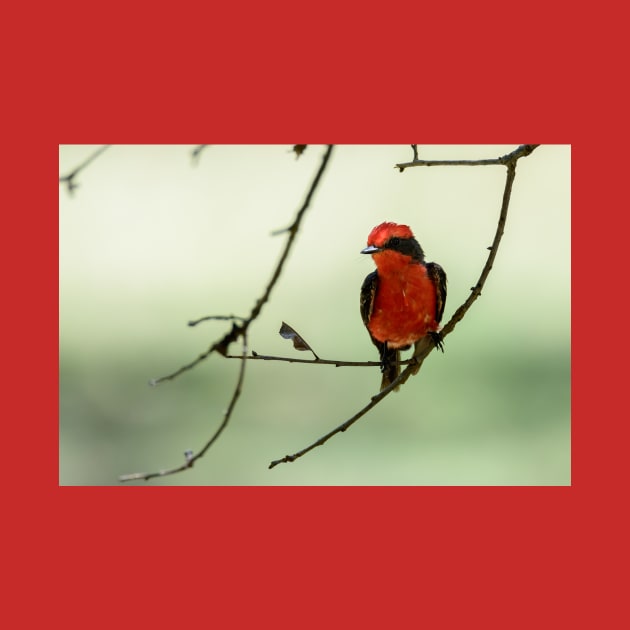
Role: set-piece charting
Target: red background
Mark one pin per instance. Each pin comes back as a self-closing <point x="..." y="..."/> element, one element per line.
<point x="128" y="557"/>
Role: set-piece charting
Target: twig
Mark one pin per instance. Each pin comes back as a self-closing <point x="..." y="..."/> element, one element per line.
<point x="188" y="455"/>
<point x="476" y="290"/>
<point x="239" y="329"/>
<point x="225" y="318"/>
<point x="196" y="153"/>
<point x="254" y="356"/>
<point x="69" y="178"/>
<point x="425" y="345"/>
<point x="522" y="151"/>
<point x="221" y="346"/>
<point x="423" y="349"/>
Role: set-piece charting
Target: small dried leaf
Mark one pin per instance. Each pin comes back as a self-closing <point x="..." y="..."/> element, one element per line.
<point x="286" y="332"/>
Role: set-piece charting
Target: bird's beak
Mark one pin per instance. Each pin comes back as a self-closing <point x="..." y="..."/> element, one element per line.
<point x="371" y="249"/>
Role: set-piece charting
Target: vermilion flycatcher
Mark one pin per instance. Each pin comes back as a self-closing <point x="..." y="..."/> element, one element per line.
<point x="403" y="300"/>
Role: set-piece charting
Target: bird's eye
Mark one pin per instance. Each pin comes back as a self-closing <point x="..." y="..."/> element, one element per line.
<point x="394" y="242"/>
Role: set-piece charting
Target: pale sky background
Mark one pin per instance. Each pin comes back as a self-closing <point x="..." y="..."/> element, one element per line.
<point x="150" y="240"/>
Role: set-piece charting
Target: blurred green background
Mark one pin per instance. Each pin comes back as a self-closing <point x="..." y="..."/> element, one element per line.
<point x="151" y="240"/>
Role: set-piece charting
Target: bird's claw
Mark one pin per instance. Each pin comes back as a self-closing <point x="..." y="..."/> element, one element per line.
<point x="437" y="340"/>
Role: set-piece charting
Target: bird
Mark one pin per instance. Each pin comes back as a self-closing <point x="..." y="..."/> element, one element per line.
<point x="403" y="300"/>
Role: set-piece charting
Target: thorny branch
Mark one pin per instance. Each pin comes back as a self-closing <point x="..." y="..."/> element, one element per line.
<point x="70" y="177"/>
<point x="239" y="329"/>
<point x="424" y="346"/>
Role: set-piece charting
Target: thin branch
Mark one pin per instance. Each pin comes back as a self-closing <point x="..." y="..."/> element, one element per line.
<point x="239" y="329"/>
<point x="521" y="151"/>
<point x="425" y="345"/>
<point x="423" y="349"/>
<point x="188" y="455"/>
<point x="221" y="346"/>
<point x="299" y="343"/>
<point x="70" y="177"/>
<point x="225" y="318"/>
<point x="254" y="356"/>
<point x="476" y="290"/>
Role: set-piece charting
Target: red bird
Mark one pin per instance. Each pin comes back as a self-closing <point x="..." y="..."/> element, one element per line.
<point x="403" y="300"/>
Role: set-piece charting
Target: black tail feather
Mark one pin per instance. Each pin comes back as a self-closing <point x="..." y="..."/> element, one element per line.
<point x="389" y="366"/>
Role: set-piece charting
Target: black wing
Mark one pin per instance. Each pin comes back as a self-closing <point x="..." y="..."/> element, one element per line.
<point x="368" y="291"/>
<point x="438" y="276"/>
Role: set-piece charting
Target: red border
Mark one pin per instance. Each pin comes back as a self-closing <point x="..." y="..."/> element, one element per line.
<point x="340" y="557"/>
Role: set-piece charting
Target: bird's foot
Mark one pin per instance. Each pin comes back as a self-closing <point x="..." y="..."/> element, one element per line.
<point x="437" y="340"/>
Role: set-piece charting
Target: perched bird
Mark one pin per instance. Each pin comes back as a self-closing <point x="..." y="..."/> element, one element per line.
<point x="403" y="300"/>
